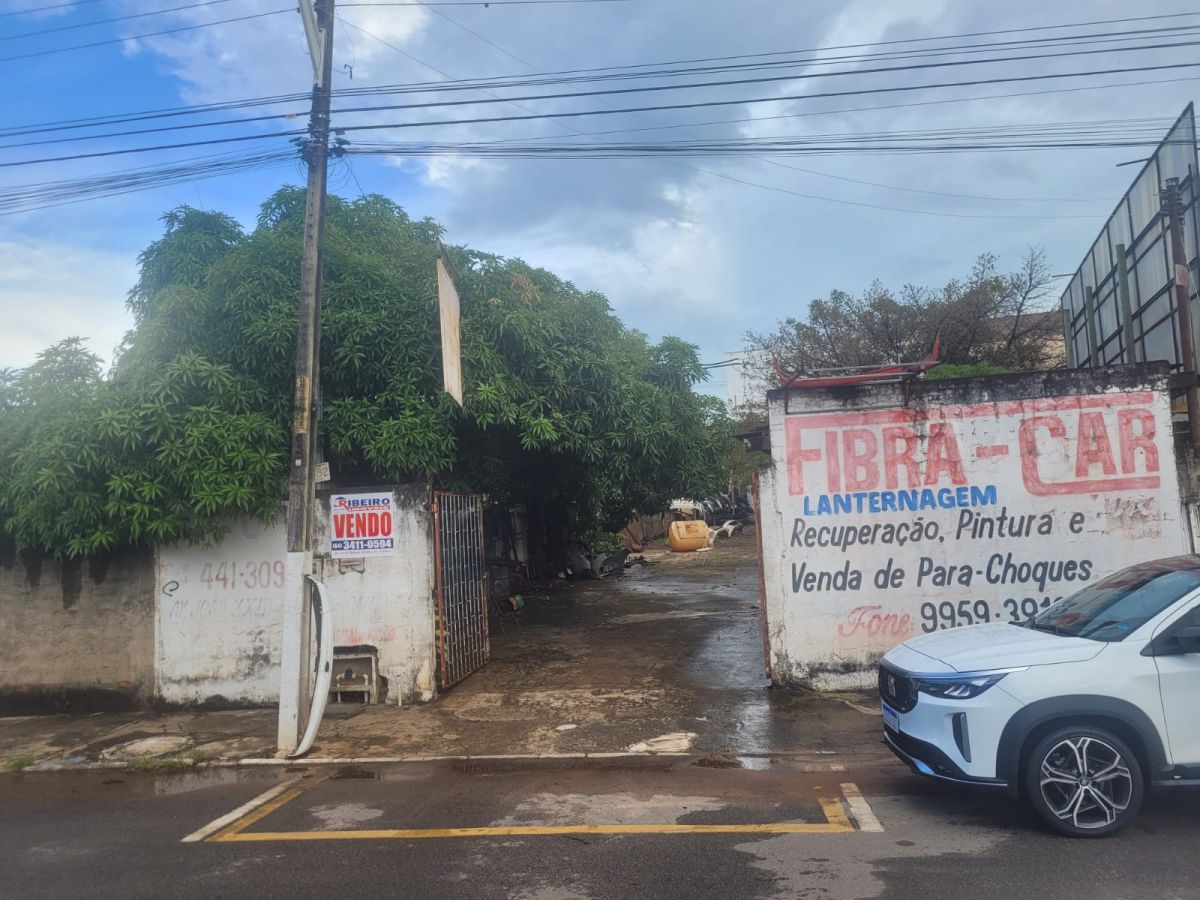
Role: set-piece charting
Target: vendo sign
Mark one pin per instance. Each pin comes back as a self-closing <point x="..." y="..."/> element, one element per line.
<point x="361" y="525"/>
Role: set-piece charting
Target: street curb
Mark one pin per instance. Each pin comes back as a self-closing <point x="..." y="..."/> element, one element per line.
<point x="812" y="761"/>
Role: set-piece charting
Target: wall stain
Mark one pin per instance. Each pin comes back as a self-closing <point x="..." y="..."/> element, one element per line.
<point x="32" y="562"/>
<point x="98" y="568"/>
<point x="72" y="582"/>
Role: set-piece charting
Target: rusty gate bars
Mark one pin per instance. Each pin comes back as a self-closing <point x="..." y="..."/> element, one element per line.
<point x="461" y="574"/>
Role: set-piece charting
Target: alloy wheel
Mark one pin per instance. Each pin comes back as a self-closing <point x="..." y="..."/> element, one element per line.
<point x="1086" y="782"/>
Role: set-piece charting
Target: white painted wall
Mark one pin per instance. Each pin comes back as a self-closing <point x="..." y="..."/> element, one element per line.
<point x="977" y="455"/>
<point x="219" y="611"/>
<point x="740" y="388"/>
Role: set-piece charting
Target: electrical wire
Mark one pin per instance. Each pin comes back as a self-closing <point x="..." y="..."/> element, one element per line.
<point x="487" y="3"/>
<point x="36" y="196"/>
<point x="41" y="9"/>
<point x="475" y="84"/>
<point x="483" y="38"/>
<point x="141" y="15"/>
<point x="516" y="101"/>
<point x="535" y="69"/>
<point x="135" y="37"/>
<point x="128" y="150"/>
<point x="752" y="100"/>
<point x="608" y="111"/>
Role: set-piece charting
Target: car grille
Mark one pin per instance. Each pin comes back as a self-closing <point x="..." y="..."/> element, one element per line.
<point x="897" y="691"/>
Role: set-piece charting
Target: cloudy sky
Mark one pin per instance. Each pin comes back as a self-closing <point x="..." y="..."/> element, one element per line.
<point x="705" y="248"/>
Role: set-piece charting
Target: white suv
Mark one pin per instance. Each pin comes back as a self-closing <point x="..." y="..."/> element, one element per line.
<point x="1078" y="710"/>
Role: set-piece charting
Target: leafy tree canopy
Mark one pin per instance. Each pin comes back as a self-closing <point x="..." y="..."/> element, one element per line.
<point x="565" y="408"/>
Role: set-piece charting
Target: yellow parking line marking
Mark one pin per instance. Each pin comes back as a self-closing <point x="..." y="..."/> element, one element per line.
<point x="861" y="809"/>
<point x="836" y="822"/>
<point x="535" y="830"/>
<point x="835" y="814"/>
<point x="217" y="824"/>
<point x="261" y="810"/>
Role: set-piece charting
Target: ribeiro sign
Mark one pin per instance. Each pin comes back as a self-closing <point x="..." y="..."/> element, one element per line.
<point x="361" y="525"/>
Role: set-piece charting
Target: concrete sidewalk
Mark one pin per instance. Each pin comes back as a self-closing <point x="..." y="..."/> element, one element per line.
<point x="667" y="658"/>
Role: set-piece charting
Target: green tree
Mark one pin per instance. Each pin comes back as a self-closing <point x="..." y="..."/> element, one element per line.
<point x="565" y="409"/>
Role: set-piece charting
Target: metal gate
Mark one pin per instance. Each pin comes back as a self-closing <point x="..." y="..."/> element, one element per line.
<point x="459" y="564"/>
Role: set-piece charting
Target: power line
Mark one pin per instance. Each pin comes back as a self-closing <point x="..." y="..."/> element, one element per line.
<point x="800" y="77"/>
<point x="128" y="150"/>
<point x="613" y="111"/>
<point x="41" y="9"/>
<point x="46" y="195"/>
<point x="158" y="130"/>
<point x="943" y="37"/>
<point x="486" y="3"/>
<point x="502" y="81"/>
<point x="467" y="84"/>
<point x="530" y="65"/>
<point x="554" y="77"/>
<point x="852" y="109"/>
<point x="135" y="37"/>
<point x="740" y="101"/>
<point x="147" y="115"/>
<point x="535" y="68"/>
<point x="141" y="15"/>
<point x="445" y="74"/>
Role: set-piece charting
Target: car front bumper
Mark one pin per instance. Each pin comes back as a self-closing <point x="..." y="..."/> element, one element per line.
<point x="928" y="760"/>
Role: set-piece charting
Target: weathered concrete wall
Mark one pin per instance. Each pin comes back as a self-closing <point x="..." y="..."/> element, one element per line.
<point x="220" y="609"/>
<point x="76" y="635"/>
<point x="890" y="511"/>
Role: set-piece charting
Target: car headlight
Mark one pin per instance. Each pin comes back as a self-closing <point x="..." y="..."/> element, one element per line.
<point x="961" y="686"/>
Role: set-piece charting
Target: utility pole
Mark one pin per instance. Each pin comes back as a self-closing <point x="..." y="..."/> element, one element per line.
<point x="1187" y="348"/>
<point x="294" y="681"/>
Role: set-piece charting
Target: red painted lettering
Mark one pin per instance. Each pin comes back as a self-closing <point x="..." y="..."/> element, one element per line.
<point x="339" y="526"/>
<point x="894" y="457"/>
<point x="860" y="447"/>
<point x="1131" y="443"/>
<point x="944" y="455"/>
<point x="831" y="460"/>
<point x="868" y="619"/>
<point x="797" y="456"/>
<point x="1092" y="447"/>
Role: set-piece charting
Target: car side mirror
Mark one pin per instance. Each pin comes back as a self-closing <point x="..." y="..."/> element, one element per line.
<point x="1177" y="643"/>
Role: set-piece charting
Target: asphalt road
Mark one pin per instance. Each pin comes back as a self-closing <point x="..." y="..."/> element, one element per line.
<point x="608" y="828"/>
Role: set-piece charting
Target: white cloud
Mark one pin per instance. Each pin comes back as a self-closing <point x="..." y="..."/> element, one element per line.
<point x="53" y="290"/>
<point x="269" y="55"/>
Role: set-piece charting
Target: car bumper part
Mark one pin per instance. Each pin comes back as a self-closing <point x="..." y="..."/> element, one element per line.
<point x="926" y="759"/>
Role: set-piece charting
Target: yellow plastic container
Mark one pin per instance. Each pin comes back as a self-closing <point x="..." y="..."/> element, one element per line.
<point x="687" y="536"/>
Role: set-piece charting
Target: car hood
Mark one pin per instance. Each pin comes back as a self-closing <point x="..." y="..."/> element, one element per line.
<point x="979" y="647"/>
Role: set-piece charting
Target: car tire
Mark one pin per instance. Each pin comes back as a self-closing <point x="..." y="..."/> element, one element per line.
<point x="1083" y="781"/>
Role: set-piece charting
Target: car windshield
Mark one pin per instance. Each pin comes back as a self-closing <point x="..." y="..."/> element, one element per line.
<point x="1112" y="609"/>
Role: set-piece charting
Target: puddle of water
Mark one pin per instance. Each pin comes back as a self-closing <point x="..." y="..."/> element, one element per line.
<point x="755" y="763"/>
<point x="198" y="779"/>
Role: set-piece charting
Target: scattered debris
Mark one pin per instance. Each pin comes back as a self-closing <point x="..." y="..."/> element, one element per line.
<point x="676" y="742"/>
<point x="159" y="745"/>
